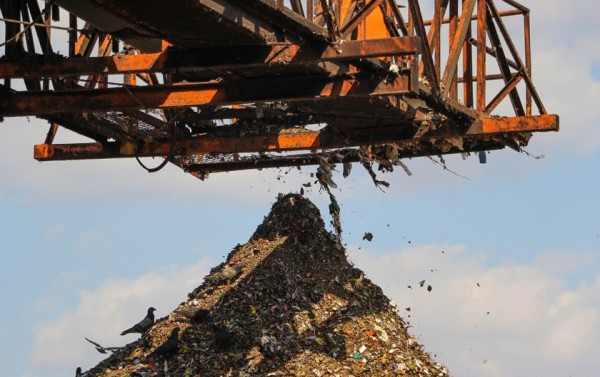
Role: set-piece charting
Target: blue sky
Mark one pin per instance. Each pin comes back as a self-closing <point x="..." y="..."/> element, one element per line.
<point x="89" y="245"/>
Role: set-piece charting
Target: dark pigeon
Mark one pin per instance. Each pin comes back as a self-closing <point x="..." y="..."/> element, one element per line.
<point x="78" y="373"/>
<point x="169" y="347"/>
<point x="101" y="349"/>
<point x="142" y="325"/>
<point x="223" y="338"/>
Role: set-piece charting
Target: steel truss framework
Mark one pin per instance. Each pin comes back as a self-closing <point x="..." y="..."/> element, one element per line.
<point x="221" y="85"/>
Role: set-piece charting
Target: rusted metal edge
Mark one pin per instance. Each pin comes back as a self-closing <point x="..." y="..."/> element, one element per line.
<point x="307" y="140"/>
<point x="535" y="123"/>
<point x="315" y="159"/>
<point x="170" y="60"/>
<point x="288" y="89"/>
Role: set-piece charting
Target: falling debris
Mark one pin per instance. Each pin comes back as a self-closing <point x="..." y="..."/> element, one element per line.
<point x="421" y="283"/>
<point x="334" y="211"/>
<point x="429" y="288"/>
<point x="368" y="236"/>
<point x="324" y="173"/>
<point x="297" y="308"/>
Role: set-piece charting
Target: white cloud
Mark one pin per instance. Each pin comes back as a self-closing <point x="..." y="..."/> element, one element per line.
<point x="51" y="231"/>
<point x="537" y="324"/>
<point x="560" y="262"/>
<point x="564" y="49"/>
<point x="103" y="313"/>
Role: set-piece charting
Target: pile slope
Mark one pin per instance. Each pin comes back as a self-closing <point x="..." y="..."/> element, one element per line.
<point x="296" y="307"/>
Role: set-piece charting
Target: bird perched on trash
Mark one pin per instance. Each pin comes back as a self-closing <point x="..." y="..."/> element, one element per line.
<point x="142" y="325"/>
<point x="223" y="338"/>
<point x="78" y="373"/>
<point x="194" y="314"/>
<point x="101" y="349"/>
<point x="169" y="347"/>
<point x="226" y="274"/>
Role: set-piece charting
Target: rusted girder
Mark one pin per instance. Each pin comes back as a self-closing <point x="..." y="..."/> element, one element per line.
<point x="315" y="159"/>
<point x="270" y="162"/>
<point x="545" y="122"/>
<point x="170" y="60"/>
<point x="288" y="89"/>
<point x="249" y="55"/>
<point x="291" y="141"/>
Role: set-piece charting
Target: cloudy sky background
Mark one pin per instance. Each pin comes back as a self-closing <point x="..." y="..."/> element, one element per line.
<point x="89" y="245"/>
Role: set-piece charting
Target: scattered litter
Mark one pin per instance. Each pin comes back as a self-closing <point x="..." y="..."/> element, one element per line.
<point x="296" y="308"/>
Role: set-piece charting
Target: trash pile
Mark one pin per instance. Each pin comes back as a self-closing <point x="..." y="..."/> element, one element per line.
<point x="287" y="303"/>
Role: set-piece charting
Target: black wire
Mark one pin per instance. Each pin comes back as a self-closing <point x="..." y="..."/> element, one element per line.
<point x="170" y="155"/>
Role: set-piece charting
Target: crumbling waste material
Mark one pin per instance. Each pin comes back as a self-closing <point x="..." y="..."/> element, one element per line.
<point x="297" y="308"/>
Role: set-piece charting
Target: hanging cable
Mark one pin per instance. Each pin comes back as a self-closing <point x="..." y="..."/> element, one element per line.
<point x="166" y="160"/>
<point x="171" y="152"/>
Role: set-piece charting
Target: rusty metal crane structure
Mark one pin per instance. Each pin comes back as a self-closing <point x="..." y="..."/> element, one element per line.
<point x="223" y="85"/>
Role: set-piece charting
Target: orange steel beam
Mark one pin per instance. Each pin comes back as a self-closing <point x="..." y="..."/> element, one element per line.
<point x="455" y="49"/>
<point x="511" y="12"/>
<point x="427" y="58"/>
<point x="212" y="93"/>
<point x="537" y="123"/>
<point x="348" y="28"/>
<point x="307" y="140"/>
<point x="208" y="59"/>
<point x="481" y="55"/>
<point x="510" y="86"/>
<point x="202" y="145"/>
